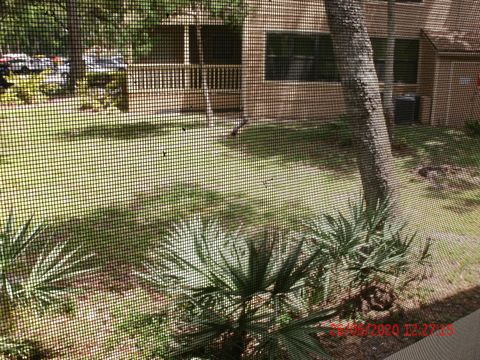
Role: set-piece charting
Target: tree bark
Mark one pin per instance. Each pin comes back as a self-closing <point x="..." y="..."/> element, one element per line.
<point x="388" y="106"/>
<point x="203" y="70"/>
<point x="75" y="45"/>
<point x="354" y="58"/>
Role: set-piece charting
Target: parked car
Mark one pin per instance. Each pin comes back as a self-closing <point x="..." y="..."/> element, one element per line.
<point x="17" y="63"/>
<point x="63" y="68"/>
<point x="39" y="64"/>
<point x="9" y="57"/>
<point x="19" y="66"/>
<point x="24" y="64"/>
<point x="104" y="64"/>
<point x="4" y="70"/>
<point x="57" y="78"/>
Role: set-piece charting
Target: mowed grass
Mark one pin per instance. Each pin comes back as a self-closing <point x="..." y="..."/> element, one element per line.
<point x="115" y="183"/>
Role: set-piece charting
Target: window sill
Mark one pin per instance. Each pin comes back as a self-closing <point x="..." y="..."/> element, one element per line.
<point x="323" y="83"/>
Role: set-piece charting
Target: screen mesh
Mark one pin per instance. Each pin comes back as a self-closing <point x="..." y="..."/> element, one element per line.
<point x="237" y="179"/>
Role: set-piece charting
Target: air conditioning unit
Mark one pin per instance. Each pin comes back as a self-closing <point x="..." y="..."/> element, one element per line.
<point x="406" y="109"/>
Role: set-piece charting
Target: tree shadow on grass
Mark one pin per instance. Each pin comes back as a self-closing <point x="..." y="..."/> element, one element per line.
<point x="464" y="206"/>
<point x="118" y="132"/>
<point x="437" y="146"/>
<point x="456" y="204"/>
<point x="459" y="194"/>
<point x="309" y="143"/>
<point x="122" y="236"/>
<point x="130" y="131"/>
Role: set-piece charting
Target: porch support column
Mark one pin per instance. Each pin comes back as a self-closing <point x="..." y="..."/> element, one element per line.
<point x="186" y="56"/>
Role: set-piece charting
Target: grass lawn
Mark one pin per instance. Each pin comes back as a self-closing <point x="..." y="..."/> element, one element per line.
<point x="114" y="183"/>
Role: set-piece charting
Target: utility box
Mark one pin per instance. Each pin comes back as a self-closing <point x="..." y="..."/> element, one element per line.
<point x="406" y="109"/>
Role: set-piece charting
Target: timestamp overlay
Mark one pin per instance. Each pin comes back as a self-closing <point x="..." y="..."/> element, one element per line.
<point x="398" y="330"/>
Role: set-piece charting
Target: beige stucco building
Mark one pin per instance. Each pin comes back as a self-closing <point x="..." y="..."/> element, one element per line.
<point x="286" y="68"/>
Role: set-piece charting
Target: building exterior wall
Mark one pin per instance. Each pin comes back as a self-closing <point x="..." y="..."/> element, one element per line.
<point x="426" y="68"/>
<point x="324" y="100"/>
<point x="456" y="97"/>
<point x="440" y="92"/>
<point x="270" y="99"/>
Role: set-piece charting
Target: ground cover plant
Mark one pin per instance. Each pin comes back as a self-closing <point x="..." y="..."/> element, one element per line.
<point x="264" y="296"/>
<point x="473" y="127"/>
<point x="36" y="285"/>
<point x="367" y="258"/>
<point x="116" y="183"/>
<point x="233" y="291"/>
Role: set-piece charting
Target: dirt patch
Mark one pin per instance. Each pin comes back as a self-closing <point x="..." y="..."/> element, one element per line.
<point x="443" y="177"/>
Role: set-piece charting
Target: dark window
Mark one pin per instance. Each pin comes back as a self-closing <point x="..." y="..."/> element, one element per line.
<point x="300" y="57"/>
<point x="307" y="57"/>
<point x="406" y="59"/>
<point x="221" y="45"/>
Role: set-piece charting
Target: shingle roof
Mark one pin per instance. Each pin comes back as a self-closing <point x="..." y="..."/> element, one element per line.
<point x="454" y="41"/>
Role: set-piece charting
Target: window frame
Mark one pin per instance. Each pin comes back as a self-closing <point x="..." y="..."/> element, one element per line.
<point x="316" y="57"/>
<point x="397" y="61"/>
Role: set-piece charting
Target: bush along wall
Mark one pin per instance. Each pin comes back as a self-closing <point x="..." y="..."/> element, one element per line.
<point x="31" y="89"/>
<point x="104" y="90"/>
<point x="473" y="127"/>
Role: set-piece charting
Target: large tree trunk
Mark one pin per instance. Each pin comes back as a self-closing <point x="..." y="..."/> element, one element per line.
<point x="388" y="106"/>
<point x="354" y="57"/>
<point x="75" y="46"/>
<point x="203" y="70"/>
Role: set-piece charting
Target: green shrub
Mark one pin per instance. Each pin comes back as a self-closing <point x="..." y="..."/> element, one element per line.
<point x="37" y="281"/>
<point x="473" y="127"/>
<point x="151" y="333"/>
<point x="10" y="97"/>
<point x="104" y="90"/>
<point x="235" y="296"/>
<point x="26" y="89"/>
<point x="53" y="90"/>
<point x="117" y="90"/>
<point x="30" y="89"/>
<point x="103" y="79"/>
<point x="364" y="253"/>
<point x="89" y="98"/>
<point x="19" y="350"/>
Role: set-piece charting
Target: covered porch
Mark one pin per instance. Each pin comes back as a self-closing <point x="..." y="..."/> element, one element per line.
<point x="168" y="77"/>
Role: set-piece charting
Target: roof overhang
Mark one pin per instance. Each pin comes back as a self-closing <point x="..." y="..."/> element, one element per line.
<point x="454" y="43"/>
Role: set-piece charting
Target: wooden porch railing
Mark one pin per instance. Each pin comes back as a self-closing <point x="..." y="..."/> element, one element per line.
<point x="147" y="77"/>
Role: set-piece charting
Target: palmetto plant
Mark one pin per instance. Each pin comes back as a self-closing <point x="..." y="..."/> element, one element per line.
<point x="236" y="292"/>
<point x="35" y="281"/>
<point x="362" y="249"/>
